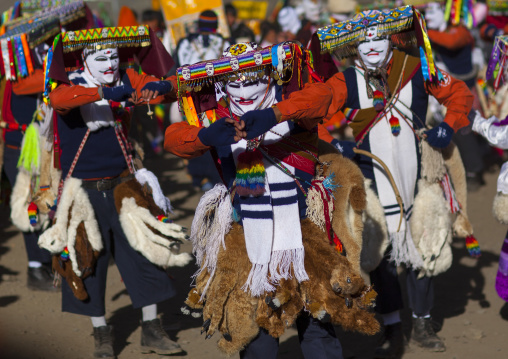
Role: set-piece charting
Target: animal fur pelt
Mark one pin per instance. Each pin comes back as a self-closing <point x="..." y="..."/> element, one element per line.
<point x="73" y="209"/>
<point x="500" y="207"/>
<point x="431" y="228"/>
<point x="375" y="231"/>
<point x="21" y="196"/>
<point x="50" y="176"/>
<point x="462" y="227"/>
<point x="157" y="241"/>
<point x="335" y="292"/>
<point x="86" y="258"/>
<point x="20" y="199"/>
<point x="349" y="200"/>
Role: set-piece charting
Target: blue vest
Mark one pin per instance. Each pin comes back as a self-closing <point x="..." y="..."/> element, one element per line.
<point x="101" y="156"/>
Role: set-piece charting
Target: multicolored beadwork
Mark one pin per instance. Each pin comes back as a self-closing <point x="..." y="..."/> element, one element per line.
<point x="250" y="173"/>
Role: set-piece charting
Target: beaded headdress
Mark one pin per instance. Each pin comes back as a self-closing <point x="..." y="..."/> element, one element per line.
<point x="132" y="42"/>
<point x="197" y="83"/>
<point x="67" y="11"/>
<point x="17" y="44"/>
<point x="498" y="61"/>
<point x="405" y="25"/>
<point x="497" y="7"/>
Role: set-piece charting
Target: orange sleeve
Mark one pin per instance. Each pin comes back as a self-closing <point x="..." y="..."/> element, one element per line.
<point x="323" y="134"/>
<point x="456" y="97"/>
<point x="66" y="97"/>
<point x="454" y="38"/>
<point x="181" y="139"/>
<point x="139" y="81"/>
<point x="337" y="84"/>
<point x="30" y="85"/>
<point x="308" y="106"/>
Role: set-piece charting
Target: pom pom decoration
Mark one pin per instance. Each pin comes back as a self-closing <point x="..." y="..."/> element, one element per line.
<point x="379" y="101"/>
<point x="473" y="247"/>
<point x="394" y="125"/>
<point x="162" y="218"/>
<point x="32" y="213"/>
<point x="250" y="173"/>
<point x="338" y="244"/>
<point x="64" y="256"/>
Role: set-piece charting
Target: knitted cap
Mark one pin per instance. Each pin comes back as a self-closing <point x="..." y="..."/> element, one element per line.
<point x="207" y="21"/>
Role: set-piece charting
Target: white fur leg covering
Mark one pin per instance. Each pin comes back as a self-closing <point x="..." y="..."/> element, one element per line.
<point x="19" y="202"/>
<point x="500" y="207"/>
<point x="136" y="222"/>
<point x="63" y="233"/>
<point x="375" y="231"/>
<point x="431" y="228"/>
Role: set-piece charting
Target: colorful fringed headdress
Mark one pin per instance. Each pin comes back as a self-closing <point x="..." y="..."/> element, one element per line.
<point x="72" y="13"/>
<point x="18" y="43"/>
<point x="405" y="25"/>
<point x="497" y="7"/>
<point x="133" y="43"/>
<point x="197" y="83"/>
<point x="456" y="11"/>
<point x="497" y="63"/>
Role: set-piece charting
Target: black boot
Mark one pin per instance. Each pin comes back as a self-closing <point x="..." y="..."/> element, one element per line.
<point x="154" y="338"/>
<point x="425" y="336"/>
<point x="41" y="278"/>
<point x="392" y="342"/>
<point x="103" y="337"/>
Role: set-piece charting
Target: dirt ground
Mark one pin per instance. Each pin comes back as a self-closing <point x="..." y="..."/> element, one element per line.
<point x="473" y="317"/>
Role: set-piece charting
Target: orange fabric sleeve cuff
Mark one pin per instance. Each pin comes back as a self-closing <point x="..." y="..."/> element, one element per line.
<point x="30" y="85"/>
<point x="181" y="139"/>
<point x="64" y="98"/>
<point x="308" y="106"/>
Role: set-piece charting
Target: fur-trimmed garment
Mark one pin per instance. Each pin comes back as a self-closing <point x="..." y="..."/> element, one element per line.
<point x="335" y="290"/>
<point x="76" y="229"/>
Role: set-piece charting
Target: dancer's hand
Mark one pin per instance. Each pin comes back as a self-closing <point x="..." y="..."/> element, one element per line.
<point x="258" y="122"/>
<point x="440" y="136"/>
<point x="220" y="133"/>
<point x="118" y="93"/>
<point x="153" y="89"/>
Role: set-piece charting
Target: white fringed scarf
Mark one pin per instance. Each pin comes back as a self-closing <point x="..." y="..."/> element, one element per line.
<point x="272" y="225"/>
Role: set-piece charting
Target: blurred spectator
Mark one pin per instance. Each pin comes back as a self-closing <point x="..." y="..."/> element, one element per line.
<point x="239" y="31"/>
<point x="127" y="17"/>
<point x="289" y="22"/>
<point x="269" y="33"/>
<point x="155" y="20"/>
<point x="206" y="44"/>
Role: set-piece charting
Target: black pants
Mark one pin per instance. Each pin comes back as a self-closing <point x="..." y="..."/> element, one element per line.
<point x="317" y="340"/>
<point x="146" y="283"/>
<point x="420" y="292"/>
<point x="471" y="149"/>
<point x="34" y="253"/>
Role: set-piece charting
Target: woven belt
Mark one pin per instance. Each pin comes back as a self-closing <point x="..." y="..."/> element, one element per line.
<point x="105" y="184"/>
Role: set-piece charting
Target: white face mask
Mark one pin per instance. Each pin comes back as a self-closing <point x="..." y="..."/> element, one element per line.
<point x="434" y="16"/>
<point x="374" y="49"/>
<point x="247" y="96"/>
<point x="103" y="66"/>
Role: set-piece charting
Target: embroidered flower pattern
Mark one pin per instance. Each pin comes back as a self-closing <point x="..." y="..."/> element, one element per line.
<point x="349" y="26"/>
<point x="238" y="49"/>
<point x="380" y="17"/>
